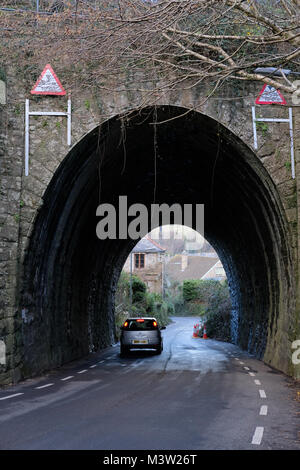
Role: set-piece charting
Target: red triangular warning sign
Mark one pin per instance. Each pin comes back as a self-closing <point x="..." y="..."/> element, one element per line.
<point x="269" y="95"/>
<point x="48" y="83"/>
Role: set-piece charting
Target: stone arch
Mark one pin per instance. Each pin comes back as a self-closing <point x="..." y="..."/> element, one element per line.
<point x="70" y="275"/>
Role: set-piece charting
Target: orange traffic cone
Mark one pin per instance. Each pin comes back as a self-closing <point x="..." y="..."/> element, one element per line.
<point x="204" y="332"/>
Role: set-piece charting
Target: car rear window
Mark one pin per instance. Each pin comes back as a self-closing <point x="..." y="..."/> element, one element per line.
<point x="141" y="324"/>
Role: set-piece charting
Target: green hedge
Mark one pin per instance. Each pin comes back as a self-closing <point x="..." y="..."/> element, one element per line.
<point x="208" y="299"/>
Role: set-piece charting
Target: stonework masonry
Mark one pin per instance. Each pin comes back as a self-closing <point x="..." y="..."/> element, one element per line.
<point x="21" y="200"/>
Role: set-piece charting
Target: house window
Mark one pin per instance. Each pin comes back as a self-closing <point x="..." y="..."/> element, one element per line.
<point x="139" y="259"/>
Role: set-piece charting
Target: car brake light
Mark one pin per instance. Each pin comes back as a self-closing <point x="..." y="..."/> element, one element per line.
<point x="125" y="324"/>
<point x="155" y="323"/>
<point x="140" y="320"/>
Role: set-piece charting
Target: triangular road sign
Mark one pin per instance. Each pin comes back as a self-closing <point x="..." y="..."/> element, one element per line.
<point x="269" y="95"/>
<point x="48" y="83"/>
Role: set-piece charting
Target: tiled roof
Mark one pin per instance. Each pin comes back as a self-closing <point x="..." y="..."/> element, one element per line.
<point x="196" y="268"/>
<point x="146" y="245"/>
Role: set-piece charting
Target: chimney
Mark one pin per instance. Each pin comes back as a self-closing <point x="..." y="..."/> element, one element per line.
<point x="184" y="262"/>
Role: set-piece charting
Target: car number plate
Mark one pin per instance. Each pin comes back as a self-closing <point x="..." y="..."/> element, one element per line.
<point x="140" y="341"/>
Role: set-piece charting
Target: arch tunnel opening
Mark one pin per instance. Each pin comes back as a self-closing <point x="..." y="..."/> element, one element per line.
<point x="174" y="272"/>
<point x="70" y="275"/>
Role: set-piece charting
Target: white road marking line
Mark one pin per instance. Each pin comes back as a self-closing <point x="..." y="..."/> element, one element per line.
<point x="68" y="378"/>
<point x="103" y="386"/>
<point x="263" y="410"/>
<point x="246" y="368"/>
<point x="137" y="364"/>
<point x="252" y="374"/>
<point x="11" y="396"/>
<point x="92" y="367"/>
<point x="257" y="436"/>
<point x="43" y="386"/>
<point x="262" y="394"/>
<point x="242" y="362"/>
<point x="257" y="382"/>
<point x="100" y="362"/>
<point x="82" y="371"/>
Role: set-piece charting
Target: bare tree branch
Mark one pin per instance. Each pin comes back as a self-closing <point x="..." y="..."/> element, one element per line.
<point x="153" y="46"/>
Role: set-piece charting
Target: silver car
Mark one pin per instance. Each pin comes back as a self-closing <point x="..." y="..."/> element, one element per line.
<point x="141" y="333"/>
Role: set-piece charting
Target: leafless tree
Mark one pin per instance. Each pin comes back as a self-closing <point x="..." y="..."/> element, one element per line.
<point x="155" y="45"/>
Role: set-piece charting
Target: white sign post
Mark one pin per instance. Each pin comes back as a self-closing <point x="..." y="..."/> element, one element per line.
<point x="289" y="121"/>
<point x="47" y="84"/>
<point x="29" y="113"/>
<point x="2" y="352"/>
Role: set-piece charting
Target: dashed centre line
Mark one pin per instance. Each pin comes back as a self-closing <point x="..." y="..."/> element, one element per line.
<point x="262" y="394"/>
<point x="69" y="377"/>
<point x="258" y="434"/>
<point x="43" y="386"/>
<point x="263" y="410"/>
<point x="259" y="430"/>
<point x="11" y="396"/>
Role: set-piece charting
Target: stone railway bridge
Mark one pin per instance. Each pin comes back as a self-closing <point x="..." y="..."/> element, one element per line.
<point x="57" y="279"/>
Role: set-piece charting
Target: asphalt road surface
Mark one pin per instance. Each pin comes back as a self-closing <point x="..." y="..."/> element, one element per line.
<point x="198" y="394"/>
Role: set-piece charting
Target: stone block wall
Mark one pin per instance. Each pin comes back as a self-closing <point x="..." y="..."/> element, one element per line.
<point x="22" y="197"/>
